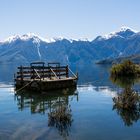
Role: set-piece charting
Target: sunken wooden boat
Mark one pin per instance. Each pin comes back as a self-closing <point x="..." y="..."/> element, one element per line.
<point x="41" y="77"/>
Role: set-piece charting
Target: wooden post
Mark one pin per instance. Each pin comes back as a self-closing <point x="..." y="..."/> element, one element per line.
<point x="67" y="71"/>
<point x="58" y="71"/>
<point x="33" y="72"/>
<point x="50" y="72"/>
<point x="30" y="72"/>
<point x="21" y="73"/>
<point x="43" y="71"/>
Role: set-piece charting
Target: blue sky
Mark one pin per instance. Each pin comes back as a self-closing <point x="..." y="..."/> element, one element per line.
<point x="67" y="18"/>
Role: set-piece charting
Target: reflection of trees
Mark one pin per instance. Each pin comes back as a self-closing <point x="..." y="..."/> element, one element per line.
<point x="124" y="82"/>
<point x="56" y="104"/>
<point x="127" y="103"/>
<point x="127" y="106"/>
<point x="61" y="118"/>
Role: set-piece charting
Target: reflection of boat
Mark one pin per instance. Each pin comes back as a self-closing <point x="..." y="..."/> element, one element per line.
<point x="37" y="76"/>
<point x="56" y="105"/>
<point x="39" y="102"/>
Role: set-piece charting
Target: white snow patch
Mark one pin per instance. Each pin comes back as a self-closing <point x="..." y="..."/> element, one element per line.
<point x="47" y="40"/>
<point x="37" y="42"/>
<point x="115" y="33"/>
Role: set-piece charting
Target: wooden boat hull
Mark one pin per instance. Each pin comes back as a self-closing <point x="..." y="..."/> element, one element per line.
<point x="45" y="85"/>
<point x="37" y="76"/>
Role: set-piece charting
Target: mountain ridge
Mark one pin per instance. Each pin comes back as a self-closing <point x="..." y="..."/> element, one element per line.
<point x="30" y="47"/>
<point x="133" y="58"/>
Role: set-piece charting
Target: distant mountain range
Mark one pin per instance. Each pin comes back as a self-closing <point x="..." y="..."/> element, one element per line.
<point x="30" y="47"/>
<point x="134" y="58"/>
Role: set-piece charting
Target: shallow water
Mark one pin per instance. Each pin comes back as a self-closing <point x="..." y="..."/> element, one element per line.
<point x="90" y="107"/>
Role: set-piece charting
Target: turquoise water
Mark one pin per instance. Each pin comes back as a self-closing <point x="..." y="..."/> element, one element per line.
<point x="90" y="108"/>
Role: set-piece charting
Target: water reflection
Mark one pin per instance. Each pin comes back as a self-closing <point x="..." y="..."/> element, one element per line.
<point x="61" y="118"/>
<point x="55" y="104"/>
<point x="91" y="75"/>
<point x="127" y="102"/>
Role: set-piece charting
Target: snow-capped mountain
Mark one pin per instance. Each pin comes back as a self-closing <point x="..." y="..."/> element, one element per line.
<point x="30" y="47"/>
<point x="124" y="32"/>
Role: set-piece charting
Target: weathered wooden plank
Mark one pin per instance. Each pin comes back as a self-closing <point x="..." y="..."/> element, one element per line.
<point x="41" y="71"/>
<point x="35" y="75"/>
<point x="41" y="67"/>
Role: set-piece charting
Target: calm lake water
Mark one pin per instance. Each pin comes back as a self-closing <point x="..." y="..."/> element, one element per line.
<point x="28" y="116"/>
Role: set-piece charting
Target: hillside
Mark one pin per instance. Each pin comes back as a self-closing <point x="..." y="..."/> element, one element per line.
<point x="134" y="58"/>
<point x="30" y="47"/>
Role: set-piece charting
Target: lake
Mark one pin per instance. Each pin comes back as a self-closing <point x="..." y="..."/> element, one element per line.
<point x="89" y="110"/>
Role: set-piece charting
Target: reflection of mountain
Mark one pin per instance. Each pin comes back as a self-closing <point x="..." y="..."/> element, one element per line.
<point x="95" y="75"/>
<point x="56" y="104"/>
<point x="7" y="73"/>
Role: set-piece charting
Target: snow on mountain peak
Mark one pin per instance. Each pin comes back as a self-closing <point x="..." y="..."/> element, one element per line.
<point x="28" y="36"/>
<point x="33" y="36"/>
<point x="124" y="29"/>
<point x="12" y="38"/>
<point x="57" y="39"/>
<point x="124" y="32"/>
<point x="25" y="37"/>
